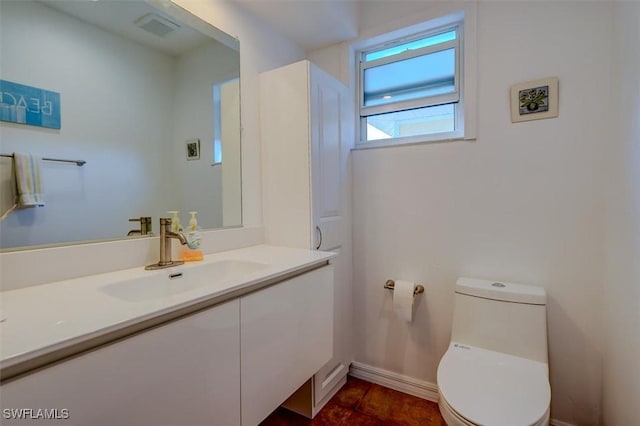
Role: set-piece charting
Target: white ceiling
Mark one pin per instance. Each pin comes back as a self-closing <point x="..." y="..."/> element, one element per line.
<point x="118" y="17"/>
<point x="311" y="24"/>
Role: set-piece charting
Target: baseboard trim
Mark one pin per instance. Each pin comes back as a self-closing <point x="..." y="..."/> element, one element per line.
<point x="399" y="382"/>
<point x="554" y="422"/>
<point x="420" y="388"/>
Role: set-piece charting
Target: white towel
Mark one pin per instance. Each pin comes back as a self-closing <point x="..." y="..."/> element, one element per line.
<point x="29" y="191"/>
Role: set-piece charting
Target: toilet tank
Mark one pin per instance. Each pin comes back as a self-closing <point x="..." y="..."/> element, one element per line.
<point x="502" y="317"/>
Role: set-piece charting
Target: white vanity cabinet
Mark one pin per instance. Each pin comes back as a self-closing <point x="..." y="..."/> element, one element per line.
<point x="231" y="364"/>
<point x="306" y="128"/>
<point x="286" y="336"/>
<point x="182" y="373"/>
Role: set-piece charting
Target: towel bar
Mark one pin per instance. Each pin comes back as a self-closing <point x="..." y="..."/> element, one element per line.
<point x="78" y="163"/>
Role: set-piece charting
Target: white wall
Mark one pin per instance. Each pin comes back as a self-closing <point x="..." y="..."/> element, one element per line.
<point x="126" y="138"/>
<point x="622" y="277"/>
<point x="197" y="185"/>
<point x="522" y="203"/>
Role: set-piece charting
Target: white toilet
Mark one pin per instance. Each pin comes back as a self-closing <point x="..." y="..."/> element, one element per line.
<point x="495" y="372"/>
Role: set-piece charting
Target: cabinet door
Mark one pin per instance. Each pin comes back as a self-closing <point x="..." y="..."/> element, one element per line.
<point x="331" y="135"/>
<point x="183" y="373"/>
<point x="286" y="336"/>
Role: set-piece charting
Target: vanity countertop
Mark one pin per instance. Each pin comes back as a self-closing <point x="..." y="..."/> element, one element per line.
<point x="49" y="322"/>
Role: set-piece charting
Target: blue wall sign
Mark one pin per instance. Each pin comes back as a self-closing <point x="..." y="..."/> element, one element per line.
<point x="29" y="105"/>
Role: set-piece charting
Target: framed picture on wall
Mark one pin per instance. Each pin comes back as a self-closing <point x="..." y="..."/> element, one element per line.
<point x="193" y="149"/>
<point x="534" y="100"/>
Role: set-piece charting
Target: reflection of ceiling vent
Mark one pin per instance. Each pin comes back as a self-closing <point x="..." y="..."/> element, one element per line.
<point x="156" y="24"/>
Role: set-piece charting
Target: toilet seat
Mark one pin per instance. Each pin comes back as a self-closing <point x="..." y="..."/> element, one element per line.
<point x="482" y="387"/>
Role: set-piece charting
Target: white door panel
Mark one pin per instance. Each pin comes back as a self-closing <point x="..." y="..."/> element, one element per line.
<point x="330" y="151"/>
<point x="329" y="154"/>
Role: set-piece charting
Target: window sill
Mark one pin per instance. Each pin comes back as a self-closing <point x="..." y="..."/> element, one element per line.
<point x="413" y="140"/>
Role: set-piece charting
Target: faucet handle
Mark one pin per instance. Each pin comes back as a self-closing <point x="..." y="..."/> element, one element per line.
<point x="142" y="219"/>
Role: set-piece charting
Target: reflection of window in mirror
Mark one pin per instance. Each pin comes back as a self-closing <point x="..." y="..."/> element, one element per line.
<point x="217" y="127"/>
<point x="223" y="102"/>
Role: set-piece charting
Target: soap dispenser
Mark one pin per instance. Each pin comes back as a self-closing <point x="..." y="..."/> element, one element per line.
<point x="175" y="221"/>
<point x="194" y="239"/>
<point x="193" y="222"/>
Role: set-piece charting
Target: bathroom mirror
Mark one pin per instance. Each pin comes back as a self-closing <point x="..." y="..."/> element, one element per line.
<point x="148" y="97"/>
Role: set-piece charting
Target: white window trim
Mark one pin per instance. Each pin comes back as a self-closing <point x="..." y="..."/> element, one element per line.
<point x="439" y="16"/>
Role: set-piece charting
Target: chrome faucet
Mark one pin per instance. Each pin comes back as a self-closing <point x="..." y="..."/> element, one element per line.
<point x="165" y="245"/>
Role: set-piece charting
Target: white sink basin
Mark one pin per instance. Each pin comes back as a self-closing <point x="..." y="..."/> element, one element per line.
<point x="179" y="280"/>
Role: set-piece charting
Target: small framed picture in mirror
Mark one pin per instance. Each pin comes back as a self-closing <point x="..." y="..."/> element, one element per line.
<point x="193" y="149"/>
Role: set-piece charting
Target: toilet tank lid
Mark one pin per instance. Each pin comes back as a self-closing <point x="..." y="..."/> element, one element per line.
<point x="501" y="291"/>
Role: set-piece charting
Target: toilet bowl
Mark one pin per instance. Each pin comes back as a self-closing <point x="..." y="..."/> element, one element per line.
<point x="495" y="371"/>
<point x="481" y="387"/>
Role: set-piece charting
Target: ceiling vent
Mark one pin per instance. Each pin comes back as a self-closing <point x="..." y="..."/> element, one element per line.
<point x="156" y="24"/>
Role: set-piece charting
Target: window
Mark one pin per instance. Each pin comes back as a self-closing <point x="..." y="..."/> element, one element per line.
<point x="217" y="124"/>
<point x="411" y="88"/>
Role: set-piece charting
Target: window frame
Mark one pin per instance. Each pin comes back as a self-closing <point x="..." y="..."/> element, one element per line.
<point x="434" y="100"/>
<point x="464" y="21"/>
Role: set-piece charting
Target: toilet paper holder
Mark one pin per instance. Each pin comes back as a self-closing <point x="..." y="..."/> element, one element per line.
<point x="390" y="285"/>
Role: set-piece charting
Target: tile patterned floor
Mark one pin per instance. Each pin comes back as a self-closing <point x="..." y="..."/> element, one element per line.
<point x="361" y="403"/>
